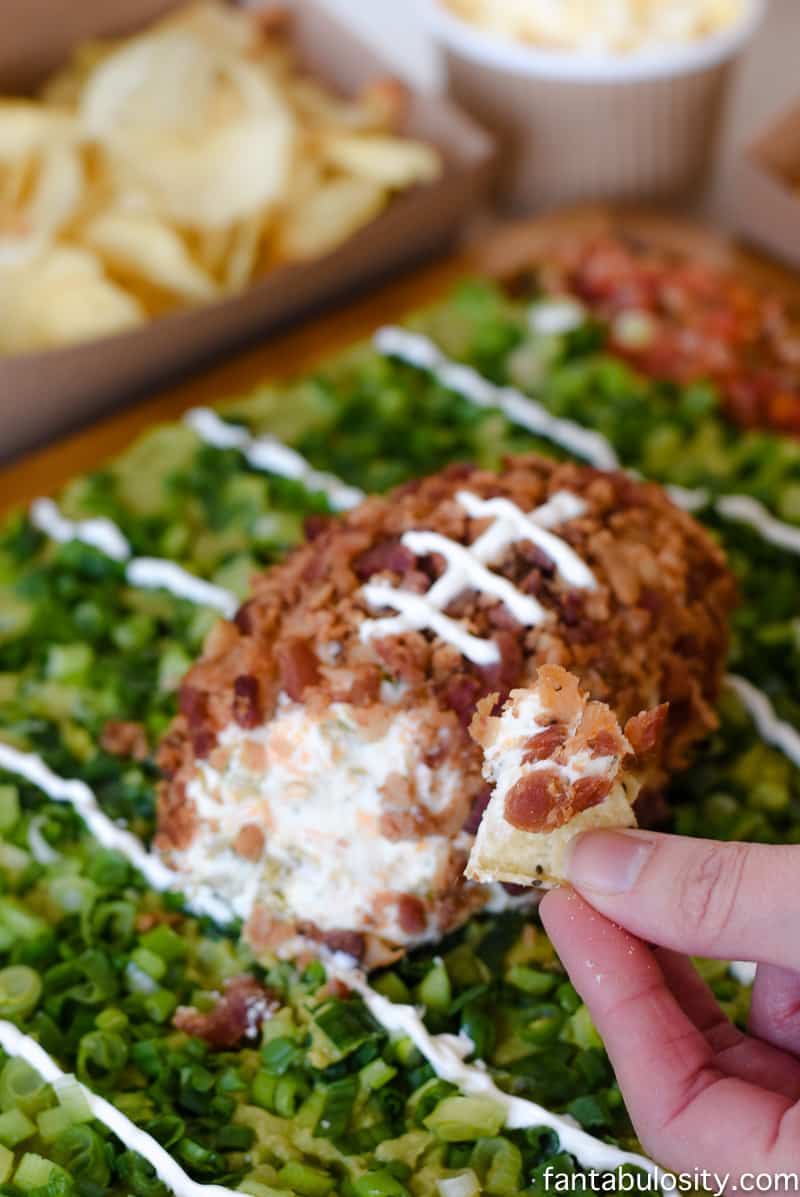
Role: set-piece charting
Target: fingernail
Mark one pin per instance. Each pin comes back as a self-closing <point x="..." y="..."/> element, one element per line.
<point x="607" y="862"/>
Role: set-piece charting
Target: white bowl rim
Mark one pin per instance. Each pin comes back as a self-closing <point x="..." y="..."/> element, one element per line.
<point x="494" y="50"/>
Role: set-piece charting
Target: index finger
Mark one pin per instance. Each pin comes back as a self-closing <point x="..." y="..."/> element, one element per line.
<point x="687" y="1113"/>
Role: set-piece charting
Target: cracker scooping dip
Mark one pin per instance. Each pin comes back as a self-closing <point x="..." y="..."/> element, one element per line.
<point x="559" y="764"/>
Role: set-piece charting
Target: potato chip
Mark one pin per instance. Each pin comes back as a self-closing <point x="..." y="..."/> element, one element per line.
<point x="60" y="299"/>
<point x="141" y="247"/>
<point x="243" y="253"/>
<point x="390" y="161"/>
<point x="209" y="139"/>
<point x="58" y="189"/>
<point x="330" y="214"/>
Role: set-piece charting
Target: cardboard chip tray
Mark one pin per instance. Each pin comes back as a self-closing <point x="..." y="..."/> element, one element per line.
<point x="767" y="189"/>
<point x="43" y="394"/>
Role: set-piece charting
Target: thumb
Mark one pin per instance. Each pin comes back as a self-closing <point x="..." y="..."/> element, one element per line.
<point x="732" y="901"/>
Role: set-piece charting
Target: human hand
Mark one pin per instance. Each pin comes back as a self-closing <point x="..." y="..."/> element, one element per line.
<point x="701" y="1093"/>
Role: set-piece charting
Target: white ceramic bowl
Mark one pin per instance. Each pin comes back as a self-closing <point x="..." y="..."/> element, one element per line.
<point x="579" y="126"/>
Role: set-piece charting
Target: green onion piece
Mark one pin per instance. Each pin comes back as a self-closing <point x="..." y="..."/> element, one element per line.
<point x="376" y="1074"/>
<point x="256" y="1189"/>
<point x="52" y="1122"/>
<point x="9" y="808"/>
<point x="21" y="1087"/>
<point x="531" y="980"/>
<point x="379" y="1184"/>
<point x="262" y="1089"/>
<point x="6" y="1164"/>
<point x="155" y="966"/>
<point x="73" y="895"/>
<point x="35" y="1171"/>
<point x="457" y="1119"/>
<point x="498" y="1162"/>
<point x="580" y="1030"/>
<point x="465" y="1184"/>
<point x="346" y="1024"/>
<point x="567" y="997"/>
<point x="289" y="1092"/>
<point x="159" y="1006"/>
<point x="234" y="1138"/>
<point x="13" y="862"/>
<point x="139" y="1177"/>
<point x="101" y="1055"/>
<point x="73" y="1098"/>
<point x="305" y="1180"/>
<point x="392" y="987"/>
<point x="17" y="924"/>
<point x="84" y="1154"/>
<point x="279" y="1055"/>
<point x="20" y="990"/>
<point x="164" y="942"/>
<point x="423" y="1101"/>
<point x="479" y="1026"/>
<point x="561" y="1164"/>
<point x="15" y="1127"/>
<point x="340" y="1097"/>
<point x="434" y="990"/>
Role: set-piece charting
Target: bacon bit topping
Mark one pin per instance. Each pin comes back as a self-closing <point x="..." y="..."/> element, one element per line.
<point x="298" y="667"/>
<point x="249" y="842"/>
<point x="589" y="791"/>
<point x="543" y="745"/>
<point x="352" y="943"/>
<point x="247" y="701"/>
<point x="644" y="731"/>
<point x="238" y="1015"/>
<point x="389" y="555"/>
<point x="193" y="705"/>
<point x="411" y="914"/>
<point x="538" y="802"/>
<point x="122" y="737"/>
<point x="203" y="742"/>
<point x="149" y="919"/>
<point x="243" y="619"/>
<point x="605" y="743"/>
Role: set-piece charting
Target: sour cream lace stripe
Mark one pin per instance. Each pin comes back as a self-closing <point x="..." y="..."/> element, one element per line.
<point x="83" y="800"/>
<point x="267" y="453"/>
<point x="466" y="569"/>
<point x="419" y="351"/>
<point x="148" y="573"/>
<point x="445" y="1054"/>
<point x="745" y="510"/>
<point x="168" y="1170"/>
<point x="773" y="730"/>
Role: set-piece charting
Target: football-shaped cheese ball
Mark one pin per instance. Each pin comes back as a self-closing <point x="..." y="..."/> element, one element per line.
<point x="320" y="777"/>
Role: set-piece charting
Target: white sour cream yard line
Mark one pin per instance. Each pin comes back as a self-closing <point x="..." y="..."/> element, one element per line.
<point x="168" y="1170"/>
<point x="773" y="730"/>
<point x="78" y="794"/>
<point x="445" y="1054"/>
<point x="271" y="455"/>
<point x="417" y="350"/>
<point x="421" y="352"/>
<point x="148" y="573"/>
